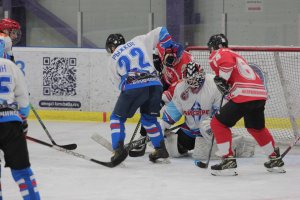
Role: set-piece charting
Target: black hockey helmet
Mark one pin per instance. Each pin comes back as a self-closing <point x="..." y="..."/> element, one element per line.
<point x="216" y="40"/>
<point x="194" y="75"/>
<point x="113" y="41"/>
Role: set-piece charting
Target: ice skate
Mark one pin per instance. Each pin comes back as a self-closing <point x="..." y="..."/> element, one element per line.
<point x="120" y="154"/>
<point x="160" y="153"/>
<point x="275" y="163"/>
<point x="226" y="168"/>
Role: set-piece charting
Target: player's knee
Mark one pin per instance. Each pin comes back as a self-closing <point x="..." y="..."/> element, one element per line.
<point x="145" y="119"/>
<point x="216" y="125"/>
<point x="114" y="118"/>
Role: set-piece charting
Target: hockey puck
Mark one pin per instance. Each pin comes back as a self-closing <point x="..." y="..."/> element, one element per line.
<point x="200" y="164"/>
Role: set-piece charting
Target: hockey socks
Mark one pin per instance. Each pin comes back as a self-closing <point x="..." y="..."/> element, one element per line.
<point x="27" y="183"/>
<point x="223" y="138"/>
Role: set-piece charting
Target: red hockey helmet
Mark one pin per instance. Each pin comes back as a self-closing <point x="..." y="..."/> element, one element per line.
<point x="13" y="28"/>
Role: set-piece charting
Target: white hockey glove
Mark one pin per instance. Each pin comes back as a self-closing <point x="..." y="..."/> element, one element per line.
<point x="205" y="129"/>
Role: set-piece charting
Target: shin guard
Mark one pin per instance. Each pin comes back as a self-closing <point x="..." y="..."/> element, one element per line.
<point x="27" y="183"/>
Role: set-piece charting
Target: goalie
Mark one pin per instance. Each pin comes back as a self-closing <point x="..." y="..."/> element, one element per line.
<point x="196" y="98"/>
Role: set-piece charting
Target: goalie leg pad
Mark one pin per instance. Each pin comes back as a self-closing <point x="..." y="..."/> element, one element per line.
<point x="244" y="147"/>
<point x="202" y="148"/>
<point x="171" y="145"/>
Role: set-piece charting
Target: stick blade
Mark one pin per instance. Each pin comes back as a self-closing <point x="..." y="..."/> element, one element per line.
<point x="69" y="146"/>
<point x="200" y="164"/>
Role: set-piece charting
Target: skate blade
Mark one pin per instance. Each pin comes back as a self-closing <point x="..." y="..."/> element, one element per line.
<point x="225" y="172"/>
<point x="162" y="161"/>
<point x="276" y="170"/>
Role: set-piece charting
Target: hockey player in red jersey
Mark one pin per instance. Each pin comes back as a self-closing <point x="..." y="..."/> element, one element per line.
<point x="247" y="97"/>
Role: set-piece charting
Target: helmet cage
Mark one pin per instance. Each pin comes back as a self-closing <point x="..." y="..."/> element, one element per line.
<point x="194" y="75"/>
<point x="15" y="35"/>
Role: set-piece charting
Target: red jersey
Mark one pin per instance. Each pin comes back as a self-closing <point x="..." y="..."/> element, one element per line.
<point x="245" y="83"/>
<point x="171" y="75"/>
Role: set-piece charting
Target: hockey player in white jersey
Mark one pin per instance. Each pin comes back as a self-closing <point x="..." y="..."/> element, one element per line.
<point x="196" y="98"/>
<point x="14" y="108"/>
<point x="140" y="86"/>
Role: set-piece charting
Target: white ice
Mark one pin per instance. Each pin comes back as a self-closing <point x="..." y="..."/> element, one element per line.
<point x="65" y="177"/>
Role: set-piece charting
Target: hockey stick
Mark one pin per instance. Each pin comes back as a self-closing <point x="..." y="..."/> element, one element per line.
<point x="290" y="146"/>
<point x="67" y="146"/>
<point x="135" y="143"/>
<point x="202" y="164"/>
<point x="70" y="152"/>
<point x="169" y="131"/>
<point x="139" y="150"/>
<point x="134" y="133"/>
<point x="106" y="144"/>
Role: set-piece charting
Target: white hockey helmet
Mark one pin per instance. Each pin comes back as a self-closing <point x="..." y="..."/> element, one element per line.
<point x="194" y="75"/>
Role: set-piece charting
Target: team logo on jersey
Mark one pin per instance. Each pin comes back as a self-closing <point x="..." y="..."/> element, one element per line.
<point x="196" y="112"/>
<point x="184" y="95"/>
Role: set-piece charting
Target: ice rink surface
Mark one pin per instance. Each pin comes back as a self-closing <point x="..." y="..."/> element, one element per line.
<point x="65" y="177"/>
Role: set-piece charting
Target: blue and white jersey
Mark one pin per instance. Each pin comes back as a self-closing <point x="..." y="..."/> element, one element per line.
<point x="14" y="98"/>
<point x="132" y="63"/>
<point x="194" y="104"/>
<point x="6" y="47"/>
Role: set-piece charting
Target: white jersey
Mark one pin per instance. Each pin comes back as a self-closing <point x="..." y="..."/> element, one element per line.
<point x="134" y="59"/>
<point x="13" y="92"/>
<point x="196" y="106"/>
<point x="7" y="45"/>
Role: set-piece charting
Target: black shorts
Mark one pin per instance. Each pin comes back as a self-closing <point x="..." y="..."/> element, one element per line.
<point x="146" y="98"/>
<point x="14" y="146"/>
<point x="252" y="111"/>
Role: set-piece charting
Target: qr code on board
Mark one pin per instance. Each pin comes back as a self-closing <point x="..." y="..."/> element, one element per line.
<point x="59" y="76"/>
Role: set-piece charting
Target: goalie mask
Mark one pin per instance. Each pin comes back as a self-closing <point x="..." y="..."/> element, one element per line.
<point x="12" y="29"/>
<point x="172" y="55"/>
<point x="194" y="75"/>
<point x="217" y="41"/>
<point x="113" y="41"/>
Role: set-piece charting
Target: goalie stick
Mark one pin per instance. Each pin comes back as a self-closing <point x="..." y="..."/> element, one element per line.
<point x="202" y="164"/>
<point x="67" y="146"/>
<point x="70" y="152"/>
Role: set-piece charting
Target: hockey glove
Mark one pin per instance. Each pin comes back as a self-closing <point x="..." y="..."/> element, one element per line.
<point x="157" y="63"/>
<point x="222" y="85"/>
